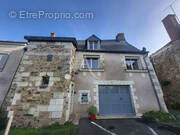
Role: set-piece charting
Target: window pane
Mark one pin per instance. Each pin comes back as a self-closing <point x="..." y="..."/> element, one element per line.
<point x="95" y="45"/>
<point x="84" y="97"/>
<point x="95" y="63"/>
<point x="91" y="45"/>
<point x="128" y="64"/>
<point x="135" y="64"/>
<point x="49" y="57"/>
<point x="87" y="63"/>
<point x="3" y="59"/>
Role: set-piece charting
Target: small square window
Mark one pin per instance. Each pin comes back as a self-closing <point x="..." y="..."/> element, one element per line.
<point x="84" y="98"/>
<point x="45" y="82"/>
<point x="49" y="57"/>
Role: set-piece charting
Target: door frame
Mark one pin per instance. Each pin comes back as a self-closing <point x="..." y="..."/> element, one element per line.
<point x="132" y="90"/>
<point x="131" y="99"/>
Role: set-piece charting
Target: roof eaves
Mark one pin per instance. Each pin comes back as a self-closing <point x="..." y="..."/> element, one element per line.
<point x="106" y="51"/>
<point x="51" y="39"/>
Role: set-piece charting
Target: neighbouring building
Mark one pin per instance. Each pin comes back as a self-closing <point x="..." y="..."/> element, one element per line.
<point x="60" y="77"/>
<point x="10" y="55"/>
<point x="166" y="61"/>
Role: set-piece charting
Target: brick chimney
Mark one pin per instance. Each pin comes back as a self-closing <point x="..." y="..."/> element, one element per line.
<point x="53" y="35"/>
<point x="172" y="26"/>
<point x="120" y="37"/>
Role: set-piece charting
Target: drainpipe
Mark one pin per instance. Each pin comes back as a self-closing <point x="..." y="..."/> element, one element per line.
<point x="160" y="107"/>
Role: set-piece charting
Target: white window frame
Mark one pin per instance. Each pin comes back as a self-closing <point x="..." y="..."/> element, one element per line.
<point x="93" y="44"/>
<point x="91" y="65"/>
<point x="81" y="92"/>
<point x="133" y="58"/>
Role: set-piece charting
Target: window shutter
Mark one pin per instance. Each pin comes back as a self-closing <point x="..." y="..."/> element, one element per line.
<point x="3" y="61"/>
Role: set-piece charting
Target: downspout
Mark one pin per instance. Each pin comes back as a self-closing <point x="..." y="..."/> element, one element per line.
<point x="156" y="94"/>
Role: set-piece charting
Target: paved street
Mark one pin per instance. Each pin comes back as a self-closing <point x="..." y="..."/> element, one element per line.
<point x="125" y="127"/>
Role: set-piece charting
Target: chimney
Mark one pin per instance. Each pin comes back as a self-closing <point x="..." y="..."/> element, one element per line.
<point x="53" y="35"/>
<point x="120" y="37"/>
<point x="172" y="26"/>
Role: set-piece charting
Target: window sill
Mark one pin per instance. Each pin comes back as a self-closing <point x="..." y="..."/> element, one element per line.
<point x="137" y="71"/>
<point x="43" y="86"/>
<point x="84" y="103"/>
<point x="92" y="70"/>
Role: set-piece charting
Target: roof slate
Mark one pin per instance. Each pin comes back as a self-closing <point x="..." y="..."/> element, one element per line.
<point x="111" y="46"/>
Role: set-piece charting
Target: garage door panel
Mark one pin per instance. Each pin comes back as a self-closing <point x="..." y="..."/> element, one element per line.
<point x="115" y="100"/>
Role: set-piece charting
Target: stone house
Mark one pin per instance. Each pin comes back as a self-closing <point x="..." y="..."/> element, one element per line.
<point x="166" y="61"/>
<point x="60" y="77"/>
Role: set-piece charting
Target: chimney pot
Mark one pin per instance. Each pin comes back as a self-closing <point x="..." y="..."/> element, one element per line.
<point x="53" y="35"/>
<point x="172" y="26"/>
<point x="120" y="37"/>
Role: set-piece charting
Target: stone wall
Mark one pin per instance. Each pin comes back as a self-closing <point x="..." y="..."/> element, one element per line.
<point x="167" y="65"/>
<point x="32" y="104"/>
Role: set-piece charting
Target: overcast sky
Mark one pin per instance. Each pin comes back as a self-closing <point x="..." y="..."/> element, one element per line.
<point x="140" y="20"/>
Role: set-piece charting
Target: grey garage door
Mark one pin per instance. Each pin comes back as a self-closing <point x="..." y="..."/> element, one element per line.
<point x="115" y="100"/>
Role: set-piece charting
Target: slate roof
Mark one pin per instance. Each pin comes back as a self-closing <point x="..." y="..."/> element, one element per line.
<point x="111" y="46"/>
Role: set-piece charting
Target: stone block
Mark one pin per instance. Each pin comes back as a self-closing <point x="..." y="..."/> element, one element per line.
<point x="22" y="84"/>
<point x="32" y="110"/>
<point x="42" y="108"/>
<point x="10" y="113"/>
<point x="58" y="95"/>
<point x="55" y="114"/>
<point x="26" y="57"/>
<point x="25" y="74"/>
<point x="54" y="79"/>
<point x="54" y="108"/>
<point x="59" y="101"/>
<point x="27" y="62"/>
<point x="17" y="96"/>
<point x="52" y="101"/>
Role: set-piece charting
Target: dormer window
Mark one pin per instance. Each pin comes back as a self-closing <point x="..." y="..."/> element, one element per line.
<point x="93" y="45"/>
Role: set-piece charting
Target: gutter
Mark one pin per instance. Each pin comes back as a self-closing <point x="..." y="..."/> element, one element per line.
<point x="156" y="94"/>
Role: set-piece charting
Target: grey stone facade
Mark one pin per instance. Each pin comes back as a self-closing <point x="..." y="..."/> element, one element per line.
<point x="34" y="105"/>
<point x="167" y="65"/>
<point x="60" y="61"/>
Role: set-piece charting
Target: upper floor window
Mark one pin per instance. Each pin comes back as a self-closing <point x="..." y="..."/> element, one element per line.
<point x="132" y="64"/>
<point x="93" y="45"/>
<point x="91" y="62"/>
<point x="3" y="59"/>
